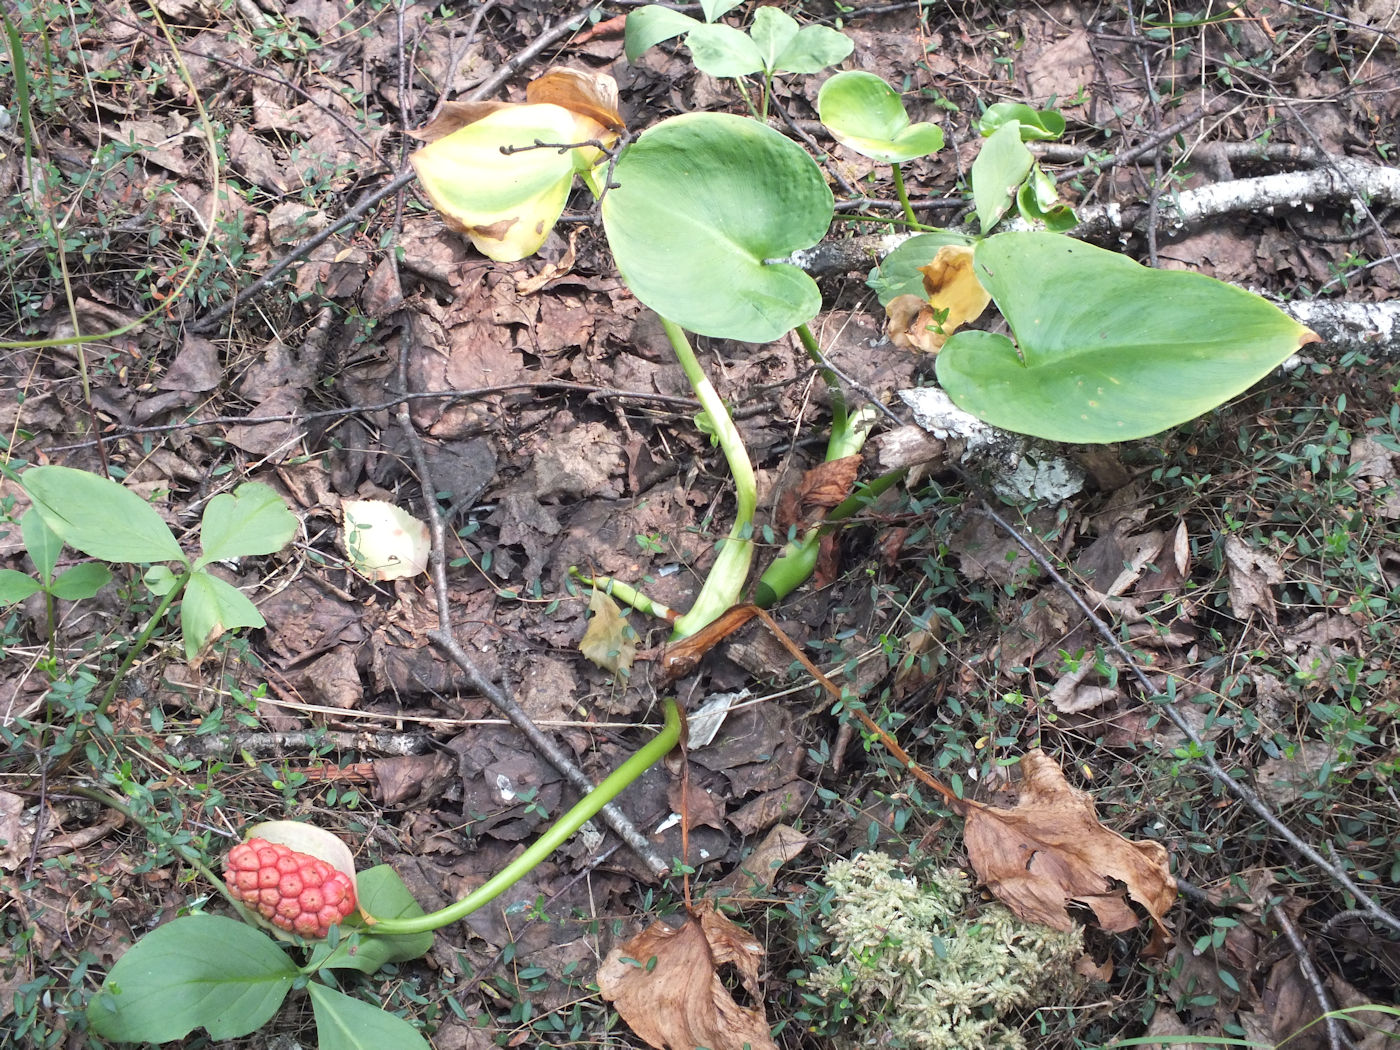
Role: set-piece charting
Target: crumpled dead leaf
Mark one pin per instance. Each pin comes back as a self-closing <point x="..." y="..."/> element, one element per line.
<point x="1251" y="573"/>
<point x="609" y="640"/>
<point x="666" y="985"/>
<point x="953" y="297"/>
<point x="1050" y="849"/>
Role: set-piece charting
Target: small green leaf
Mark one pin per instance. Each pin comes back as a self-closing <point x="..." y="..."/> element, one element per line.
<point x="772" y="31"/>
<point x="703" y="201"/>
<point x="40" y="541"/>
<point x="16" y="586"/>
<point x="1038" y="201"/>
<point x="209" y="608"/>
<point x="812" y="50"/>
<point x="159" y="579"/>
<point x="99" y="517"/>
<point x="81" y="581"/>
<point x="723" y="51"/>
<point x="649" y="26"/>
<point x="1107" y="350"/>
<point x="343" y="1023"/>
<point x="718" y="8"/>
<point x="999" y="169"/>
<point x="1033" y="124"/>
<point x="197" y="971"/>
<point x="865" y="114"/>
<point x="383" y="895"/>
<point x="252" y="520"/>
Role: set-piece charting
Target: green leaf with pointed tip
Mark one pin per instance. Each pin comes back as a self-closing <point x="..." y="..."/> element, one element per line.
<point x="718" y="8"/>
<point x="99" y="517"/>
<point x="199" y="971"/>
<point x="812" y="50"/>
<point x="772" y="31"/>
<point x="40" y="541"/>
<point x="81" y="581"/>
<point x="210" y="607"/>
<point x="651" y="25"/>
<point x="252" y="520"/>
<point x="1000" y="168"/>
<point x="16" y="586"/>
<point x="723" y="51"/>
<point x="1107" y="350"/>
<point x="343" y="1023"/>
<point x="1041" y="125"/>
<point x="865" y="114"/>
<point x="703" y="201"/>
<point x="380" y="893"/>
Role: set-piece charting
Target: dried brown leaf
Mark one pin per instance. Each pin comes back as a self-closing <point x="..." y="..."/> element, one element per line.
<point x="581" y="91"/>
<point x="1050" y="849"/>
<point x="609" y="642"/>
<point x="1251" y="573"/>
<point x="755" y="874"/>
<point x="666" y="985"/>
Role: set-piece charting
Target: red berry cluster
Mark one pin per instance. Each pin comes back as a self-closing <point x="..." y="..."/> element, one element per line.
<point x="295" y="891"/>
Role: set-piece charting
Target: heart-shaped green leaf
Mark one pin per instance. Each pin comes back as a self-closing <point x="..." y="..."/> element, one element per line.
<point x="199" y="971"/>
<point x="865" y="114"/>
<point x="1107" y="350"/>
<point x="382" y="894"/>
<point x="99" y="517"/>
<point x="703" y="200"/>
<point x="1034" y="124"/>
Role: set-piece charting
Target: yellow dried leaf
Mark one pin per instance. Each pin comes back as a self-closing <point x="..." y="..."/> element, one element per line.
<point x="609" y="641"/>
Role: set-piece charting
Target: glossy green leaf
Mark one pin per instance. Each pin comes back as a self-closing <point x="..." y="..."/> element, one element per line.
<point x="1038" y="201"/>
<point x="382" y="894"/>
<point x="99" y="517"/>
<point x="898" y="272"/>
<point x="81" y="581"/>
<point x="343" y="1023"/>
<point x="723" y="51"/>
<point x="16" y="586"/>
<point x="703" y="200"/>
<point x="1041" y="125"/>
<point x="210" y="607"/>
<point x="199" y="971"/>
<point x="42" y="543"/>
<point x="650" y="25"/>
<point x="998" y="171"/>
<point x="251" y="520"/>
<point x="865" y="114"/>
<point x="1107" y="350"/>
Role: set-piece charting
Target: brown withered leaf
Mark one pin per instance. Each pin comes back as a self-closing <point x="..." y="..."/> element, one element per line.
<point x="579" y="90"/>
<point x="952" y="297"/>
<point x="666" y="985"/>
<point x="756" y="872"/>
<point x="1050" y="849"/>
<point x="1251" y="574"/>
<point x="453" y="116"/>
<point x="827" y="484"/>
<point x="609" y="641"/>
<point x="697" y="805"/>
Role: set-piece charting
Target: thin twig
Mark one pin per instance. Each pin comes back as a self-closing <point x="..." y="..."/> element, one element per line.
<point x="445" y="640"/>
<point x="1207" y="758"/>
<point x="1335" y="1039"/>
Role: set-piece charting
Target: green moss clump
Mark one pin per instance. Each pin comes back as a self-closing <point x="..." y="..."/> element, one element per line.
<point x="922" y="973"/>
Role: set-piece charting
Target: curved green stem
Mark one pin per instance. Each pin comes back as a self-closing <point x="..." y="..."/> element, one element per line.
<point x="627" y="594"/>
<point x="903" y="194"/>
<point x="563" y="828"/>
<point x="725" y="582"/>
<point x="139" y="646"/>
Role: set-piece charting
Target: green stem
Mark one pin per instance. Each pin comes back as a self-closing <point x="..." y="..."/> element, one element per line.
<point x="748" y="99"/>
<point x="725" y="582"/>
<point x="138" y="646"/>
<point x="839" y="423"/>
<point x="903" y="194"/>
<point x="564" y="827"/>
<point x="627" y="594"/>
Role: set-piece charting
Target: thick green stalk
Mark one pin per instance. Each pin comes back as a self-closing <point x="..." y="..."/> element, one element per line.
<point x="138" y="646"/>
<point x="725" y="583"/>
<point x="627" y="594"/>
<point x="903" y="195"/>
<point x="563" y="829"/>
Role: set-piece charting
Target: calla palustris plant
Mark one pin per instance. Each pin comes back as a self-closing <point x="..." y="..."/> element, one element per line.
<point x="229" y="977"/>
